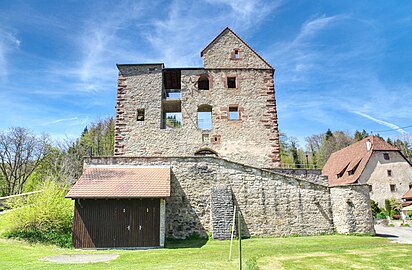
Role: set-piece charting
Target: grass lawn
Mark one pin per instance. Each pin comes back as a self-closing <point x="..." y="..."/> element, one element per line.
<point x="316" y="252"/>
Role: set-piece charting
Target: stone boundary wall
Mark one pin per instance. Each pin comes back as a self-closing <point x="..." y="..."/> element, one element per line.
<point x="351" y="209"/>
<point x="272" y="204"/>
<point x="313" y="175"/>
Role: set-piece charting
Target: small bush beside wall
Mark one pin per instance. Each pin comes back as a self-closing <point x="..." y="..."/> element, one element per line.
<point x="44" y="217"/>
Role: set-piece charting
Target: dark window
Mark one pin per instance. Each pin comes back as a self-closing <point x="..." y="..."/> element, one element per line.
<point x="370" y="188"/>
<point x="410" y="186"/>
<point x="140" y="115"/>
<point x="231" y="82"/>
<point x="215" y="139"/>
<point x="203" y="83"/>
<point x="385" y="156"/>
<point x="233" y="113"/>
<point x="389" y="172"/>
<point x="393" y="187"/>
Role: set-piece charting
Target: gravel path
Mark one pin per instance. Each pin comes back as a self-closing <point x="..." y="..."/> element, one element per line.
<point x="398" y="234"/>
<point x="81" y="258"/>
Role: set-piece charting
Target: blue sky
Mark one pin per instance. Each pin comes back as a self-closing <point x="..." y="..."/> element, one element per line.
<point x="343" y="65"/>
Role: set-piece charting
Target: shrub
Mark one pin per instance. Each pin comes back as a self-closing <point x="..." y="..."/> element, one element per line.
<point x="381" y="215"/>
<point x="45" y="217"/>
<point x="375" y="208"/>
<point x="395" y="216"/>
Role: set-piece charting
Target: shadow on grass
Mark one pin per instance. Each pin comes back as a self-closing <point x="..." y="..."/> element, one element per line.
<point x="386" y="235"/>
<point x="192" y="243"/>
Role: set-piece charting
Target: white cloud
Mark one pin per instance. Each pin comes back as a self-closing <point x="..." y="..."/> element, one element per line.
<point x="8" y="42"/>
<point x="59" y="120"/>
<point x="381" y="122"/>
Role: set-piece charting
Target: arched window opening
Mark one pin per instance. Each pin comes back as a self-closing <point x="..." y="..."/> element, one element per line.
<point x="203" y="83"/>
<point x="204" y="117"/>
<point x="206" y="152"/>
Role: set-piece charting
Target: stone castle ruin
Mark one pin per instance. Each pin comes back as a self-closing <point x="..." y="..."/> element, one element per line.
<point x="215" y="128"/>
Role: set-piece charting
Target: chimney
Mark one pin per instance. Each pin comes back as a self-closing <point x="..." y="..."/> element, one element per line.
<point x="368" y="145"/>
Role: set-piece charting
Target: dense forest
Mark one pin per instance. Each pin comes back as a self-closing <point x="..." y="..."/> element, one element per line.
<point x="27" y="159"/>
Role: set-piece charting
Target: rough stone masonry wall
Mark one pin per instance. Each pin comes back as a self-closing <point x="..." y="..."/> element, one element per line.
<point x="272" y="204"/>
<point x="351" y="209"/>
<point x="252" y="140"/>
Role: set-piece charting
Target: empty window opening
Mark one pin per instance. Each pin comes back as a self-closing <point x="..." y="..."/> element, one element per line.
<point x="172" y="120"/>
<point x="233" y="113"/>
<point x="204" y="117"/>
<point x="389" y="172"/>
<point x="172" y="94"/>
<point x="171" y="114"/>
<point x="385" y="156"/>
<point x="203" y="83"/>
<point x="410" y="186"/>
<point x="393" y="187"/>
<point x="205" y="138"/>
<point x="236" y="54"/>
<point x="140" y="115"/>
<point x="231" y="82"/>
<point x="171" y="84"/>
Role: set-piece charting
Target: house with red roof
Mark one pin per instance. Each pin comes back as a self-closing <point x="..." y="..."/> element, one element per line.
<point x="372" y="161"/>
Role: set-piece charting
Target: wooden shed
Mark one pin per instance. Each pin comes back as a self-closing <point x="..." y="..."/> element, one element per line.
<point x="120" y="207"/>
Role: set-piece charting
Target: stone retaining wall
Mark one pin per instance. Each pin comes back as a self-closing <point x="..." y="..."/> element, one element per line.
<point x="272" y="204"/>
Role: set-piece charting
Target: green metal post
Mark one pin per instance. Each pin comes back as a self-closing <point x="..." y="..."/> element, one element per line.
<point x="239" y="229"/>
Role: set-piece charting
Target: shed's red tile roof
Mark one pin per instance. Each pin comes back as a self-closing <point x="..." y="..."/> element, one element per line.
<point x="122" y="182"/>
<point x="408" y="195"/>
<point x="347" y="158"/>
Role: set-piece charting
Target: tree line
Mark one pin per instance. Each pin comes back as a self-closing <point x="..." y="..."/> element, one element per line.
<point x="319" y="147"/>
<point x="27" y="159"/>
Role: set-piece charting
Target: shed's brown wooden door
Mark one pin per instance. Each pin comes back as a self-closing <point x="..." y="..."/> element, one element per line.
<point x="116" y="223"/>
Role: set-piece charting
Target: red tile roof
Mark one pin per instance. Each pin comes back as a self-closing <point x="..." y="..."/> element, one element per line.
<point x="247" y="45"/>
<point x="408" y="195"/>
<point x="340" y="163"/>
<point x="122" y="182"/>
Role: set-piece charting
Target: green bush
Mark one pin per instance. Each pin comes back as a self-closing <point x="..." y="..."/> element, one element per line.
<point x="381" y="215"/>
<point x="45" y="217"/>
<point x="375" y="208"/>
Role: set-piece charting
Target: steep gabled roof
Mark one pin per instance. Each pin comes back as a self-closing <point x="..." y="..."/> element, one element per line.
<point x="407" y="195"/>
<point x="227" y="29"/>
<point x="346" y="165"/>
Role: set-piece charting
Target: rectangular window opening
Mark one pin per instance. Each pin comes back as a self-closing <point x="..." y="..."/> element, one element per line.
<point x="231" y="82"/>
<point x="389" y="172"/>
<point x="393" y="187"/>
<point x="205" y="138"/>
<point x="236" y="54"/>
<point x="233" y="113"/>
<point x="140" y="115"/>
<point x="385" y="156"/>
